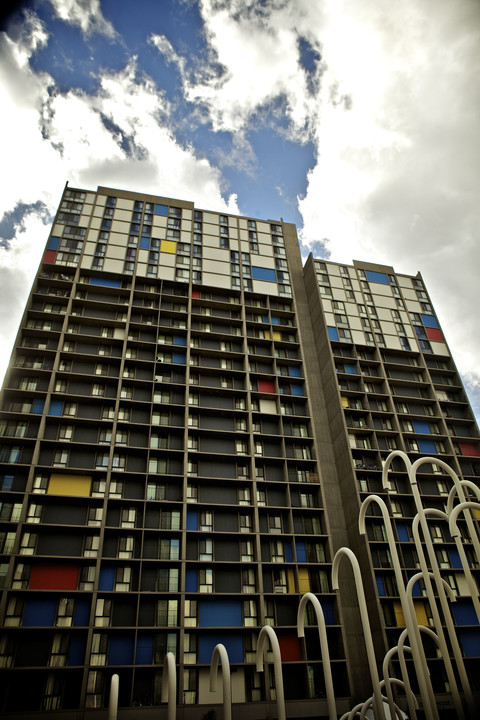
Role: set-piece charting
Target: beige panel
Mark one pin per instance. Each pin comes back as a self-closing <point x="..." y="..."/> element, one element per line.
<point x="143" y="256"/>
<point x="233" y="233"/>
<point x="101" y="201"/>
<point x="410" y="294"/>
<point x="209" y="229"/>
<point x="389" y="328"/>
<point x="159" y="221"/>
<point x="242" y="224"/>
<point x="141" y="269"/>
<point x="167" y="259"/>
<point x="244" y="246"/>
<point x="98" y="211"/>
<point x="117" y="238"/>
<point x="187" y="214"/>
<point x="413" y="306"/>
<point x="124" y="204"/>
<point x="211" y="242"/>
<point x="351" y="309"/>
<point x="268" y="406"/>
<point x="393" y="342"/>
<point x="84" y="219"/>
<point x="89" y="248"/>
<point x="234" y="245"/>
<point x="96" y="222"/>
<point x="263" y="227"/>
<point x="243" y="234"/>
<point x="356" y="285"/>
<point x="58" y="230"/>
<point x="327" y="305"/>
<point x="355" y="323"/>
<point x="90" y="198"/>
<point x="166" y="273"/>
<point x="232" y="222"/>
<point x="269" y="288"/>
<point x="222" y="281"/>
<point x="404" y="282"/>
<point x="379" y="289"/>
<point x="123" y="215"/>
<point x="86" y="262"/>
<point x="185" y="237"/>
<point x="115" y="251"/>
<point x="264" y="238"/>
<point x="92" y="236"/>
<point x="120" y="227"/>
<point x="329" y="319"/>
<point x="216" y="254"/>
<point x="263" y="261"/>
<point x="332" y="269"/>
<point x="111" y="265"/>
<point x="384" y="313"/>
<point x="389" y="302"/>
<point x="358" y="337"/>
<point x="439" y="348"/>
<point x="210" y="218"/>
<point x="119" y="333"/>
<point x="186" y="225"/>
<point x="339" y="294"/>
<point x="265" y="251"/>
<point x="336" y="282"/>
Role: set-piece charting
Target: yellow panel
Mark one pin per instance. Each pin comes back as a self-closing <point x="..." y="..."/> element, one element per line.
<point x="399" y="617"/>
<point x="344" y="402"/>
<point x="69" y="485"/>
<point x="168" y="246"/>
<point x="291" y="581"/>
<point x="477" y="514"/>
<point x="277" y="336"/>
<point x="267" y="335"/>
<point x="303" y="580"/>
<point x="421" y="613"/>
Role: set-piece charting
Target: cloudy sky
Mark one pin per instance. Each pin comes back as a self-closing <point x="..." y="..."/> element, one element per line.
<point x="358" y="121"/>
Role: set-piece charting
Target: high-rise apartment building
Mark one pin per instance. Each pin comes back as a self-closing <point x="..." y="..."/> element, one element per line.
<point x="189" y="424"/>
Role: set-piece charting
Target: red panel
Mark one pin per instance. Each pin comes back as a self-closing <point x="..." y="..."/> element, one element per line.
<point x="469" y="448"/>
<point x="435" y="334"/>
<point x="49" y="256"/>
<point x="289" y="647"/>
<point x="266" y="386"/>
<point x="196" y="294"/>
<point x="54" y="577"/>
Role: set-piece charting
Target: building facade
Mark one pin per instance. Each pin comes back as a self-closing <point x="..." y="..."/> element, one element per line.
<point x="189" y="424"/>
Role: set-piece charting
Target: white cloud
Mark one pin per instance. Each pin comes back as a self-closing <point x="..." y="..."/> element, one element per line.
<point x="85" y="14"/>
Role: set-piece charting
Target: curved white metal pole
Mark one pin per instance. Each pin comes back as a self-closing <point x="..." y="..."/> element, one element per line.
<point x="418" y="654"/>
<point x="411" y="699"/>
<point x="268" y="632"/>
<point x="322" y="635"/>
<point x="367" y="635"/>
<point x="113" y="699"/>
<point x="220" y="653"/>
<point x="458" y="489"/>
<point x="366" y="706"/>
<point x="169" y="685"/>
<point x="350" y="714"/>
<point x="439" y="635"/>
<point x="389" y="681"/>
<point x="455" y="533"/>
<point x="421" y="520"/>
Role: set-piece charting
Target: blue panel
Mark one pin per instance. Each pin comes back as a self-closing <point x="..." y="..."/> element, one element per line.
<point x="105" y="581"/>
<point x="6" y="482"/>
<point x="179" y="358"/>
<point x="192" y="520"/>
<point x="294" y="371"/>
<point x="297" y="389"/>
<point x="421" y="427"/>
<point x="416" y="590"/>
<point x="470" y="641"/>
<point x="380" y="586"/>
<point x="265" y="319"/>
<point x="427" y="447"/>
<point x="227" y="613"/>
<point x="40" y="611"/>
<point x="377" y="277"/>
<point x="328" y="612"/>
<point x="53" y="243"/>
<point x="180" y="340"/>
<point x="288" y="552"/>
<point x="144" y="243"/>
<point x="259" y="273"/>
<point x="144" y="652"/>
<point x="352" y="369"/>
<point x="332" y="333"/>
<point x="82" y="612"/>
<point x="120" y="650"/>
<point x="76" y="652"/>
<point x="301" y="551"/>
<point x="455" y="558"/>
<point x="38" y="406"/>
<point x="190" y="580"/>
<point x="56" y="407"/>
<point x="402" y="532"/>
<point x="233" y="644"/>
<point x="106" y="282"/>
<point x="161" y="209"/>
<point x="464" y="612"/>
<point x="429" y="321"/>
<point x="275" y="320"/>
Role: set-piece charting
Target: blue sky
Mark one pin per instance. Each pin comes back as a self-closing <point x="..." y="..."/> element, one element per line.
<point x="343" y="118"/>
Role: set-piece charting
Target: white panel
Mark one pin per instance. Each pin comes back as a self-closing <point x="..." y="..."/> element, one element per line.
<point x="234" y="245"/>
<point x="243" y="234"/>
<point x="263" y="261"/>
<point x="141" y="270"/>
<point x="185" y="237"/>
<point x="336" y="281"/>
<point x="410" y="294"/>
<point x="355" y="323"/>
<point x="101" y="200"/>
<point x="339" y="294"/>
<point x="210" y="241"/>
<point x="413" y="306"/>
<point x="264" y="238"/>
<point x="332" y="269"/>
<point x="356" y="285"/>
<point x="358" y="337"/>
<point x="86" y="262"/>
<point x="96" y="222"/>
<point x="329" y="319"/>
<point x="124" y="203"/>
<point x="90" y="198"/>
<point x="115" y="251"/>
<point x="186" y="225"/>
<point x="327" y="305"/>
<point x="119" y="333"/>
<point x="143" y="256"/>
<point x="439" y="348"/>
<point x="263" y="227"/>
<point x="120" y="227"/>
<point x="242" y="224"/>
<point x="216" y="255"/>
<point x="123" y="215"/>
<point x="244" y="246"/>
<point x="389" y="328"/>
<point x="233" y="233"/>
<point x="265" y="251"/>
<point x="389" y="302"/>
<point x="232" y="222"/>
<point x="118" y="239"/>
<point x="58" y="230"/>
<point x="209" y="229"/>
<point x="404" y="282"/>
<point x="351" y="309"/>
<point x="210" y="218"/>
<point x="222" y="281"/>
<point x="186" y="214"/>
<point x="159" y="221"/>
<point x="393" y="342"/>
<point x="98" y="210"/>
<point x="269" y="288"/>
<point x="383" y="313"/>
<point x="84" y="219"/>
<point x="111" y="265"/>
<point x="89" y="248"/>
<point x="167" y="259"/>
<point x="379" y="289"/>
<point x="268" y="406"/>
<point x="166" y="273"/>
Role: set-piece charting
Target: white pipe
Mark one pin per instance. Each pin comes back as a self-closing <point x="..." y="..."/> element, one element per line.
<point x="322" y="635"/>
<point x="220" y="653"/>
<point x="367" y="635"/>
<point x="268" y="632"/>
<point x="418" y="654"/>
<point x="455" y="533"/>
<point x="411" y="699"/>
<point x="169" y="685"/>
<point x="113" y="700"/>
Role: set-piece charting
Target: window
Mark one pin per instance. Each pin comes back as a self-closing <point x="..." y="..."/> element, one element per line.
<point x="60" y="458"/>
<point x="245" y="523"/>
<point x="244" y="496"/>
<point x="205" y="549"/>
<point x="275" y="524"/>
<point x="246" y="551"/>
<point x="103" y="612"/>
<point x="205" y="580"/>
<point x="248" y="581"/>
<point x="206" y="521"/>
<point x="65" y="611"/>
<point x="123" y="579"/>
<point x="91" y="545"/>
<point x="95" y="515"/>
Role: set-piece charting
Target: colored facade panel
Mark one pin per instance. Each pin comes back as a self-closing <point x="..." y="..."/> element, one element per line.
<point x="144" y="243"/>
<point x="39" y="612"/>
<point x="233" y="644"/>
<point x="435" y="334"/>
<point x="179" y="358"/>
<point x="53" y="243"/>
<point x="427" y="447"/>
<point x="106" y="282"/>
<point x="470" y="642"/>
<point x="54" y="577"/>
<point x="168" y="246"/>
<point x="38" y="406"/>
<point x="430" y="321"/>
<point x="351" y="369"/>
<point x="303" y="580"/>
<point x="227" y="613"/>
<point x="332" y="333"/>
<point x="74" y="485"/>
<point x="266" y="386"/>
<point x="377" y="277"/>
<point x="180" y="340"/>
<point x="161" y="210"/>
<point x="260" y="273"/>
<point x="49" y="256"/>
<point x="144" y="650"/>
<point x="421" y="427"/>
<point x="76" y="651"/>
<point x="56" y="407"/>
<point x="106" y="579"/>
<point x="464" y="612"/>
<point x="120" y="650"/>
<point x="289" y="647"/>
<point x="469" y="449"/>
<point x="191" y="580"/>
